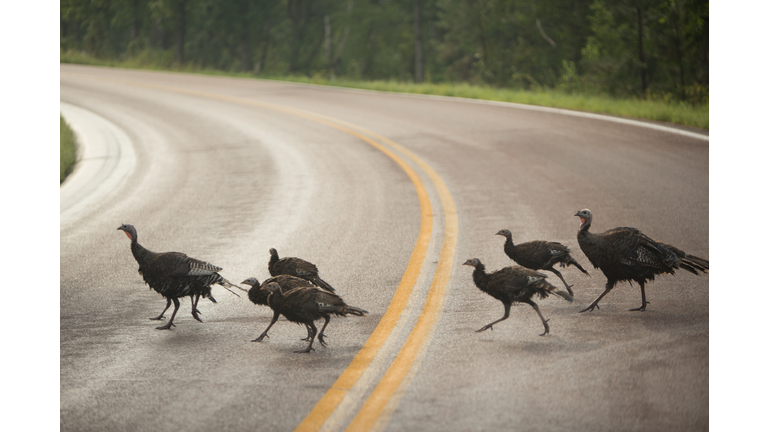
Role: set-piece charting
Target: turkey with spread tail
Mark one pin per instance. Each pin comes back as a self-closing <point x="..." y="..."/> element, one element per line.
<point x="514" y="284"/>
<point x="296" y="267"/>
<point x="626" y="254"/>
<point x="175" y="275"/>
<point x="540" y="255"/>
<point x="304" y="305"/>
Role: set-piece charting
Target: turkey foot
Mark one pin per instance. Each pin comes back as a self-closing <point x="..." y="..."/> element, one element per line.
<point x="166" y="327"/>
<point x="195" y="313"/>
<point x="261" y="337"/>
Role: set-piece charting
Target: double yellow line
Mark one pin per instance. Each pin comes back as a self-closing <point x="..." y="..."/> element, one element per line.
<point x="373" y="408"/>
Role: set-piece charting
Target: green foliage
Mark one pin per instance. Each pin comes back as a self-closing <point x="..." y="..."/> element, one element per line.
<point x="67" y="150"/>
<point x="607" y="56"/>
<point x="653" y="49"/>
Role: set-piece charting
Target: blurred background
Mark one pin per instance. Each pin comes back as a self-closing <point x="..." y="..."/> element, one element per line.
<point x="636" y="49"/>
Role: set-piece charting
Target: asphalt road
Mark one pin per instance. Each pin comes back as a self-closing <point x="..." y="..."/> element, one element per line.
<point x="388" y="195"/>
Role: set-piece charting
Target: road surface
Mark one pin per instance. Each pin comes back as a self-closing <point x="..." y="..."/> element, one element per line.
<point x="388" y="194"/>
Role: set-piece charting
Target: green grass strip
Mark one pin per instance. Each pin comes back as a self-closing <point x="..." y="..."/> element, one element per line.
<point x="67" y="152"/>
<point x="678" y="113"/>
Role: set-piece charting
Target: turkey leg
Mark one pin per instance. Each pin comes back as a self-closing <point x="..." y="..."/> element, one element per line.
<point x="591" y="307"/>
<point x="170" y="323"/>
<point x="543" y="321"/>
<point x="490" y="326"/>
<point x="642" y="293"/>
<point x="162" y="314"/>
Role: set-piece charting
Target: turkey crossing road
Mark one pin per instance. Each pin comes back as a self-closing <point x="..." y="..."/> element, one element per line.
<point x="388" y="195"/>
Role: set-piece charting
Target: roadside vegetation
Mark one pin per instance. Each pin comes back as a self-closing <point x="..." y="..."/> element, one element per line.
<point x="655" y="109"/>
<point x="680" y="113"/>
<point x="645" y="60"/>
<point x="67" y="151"/>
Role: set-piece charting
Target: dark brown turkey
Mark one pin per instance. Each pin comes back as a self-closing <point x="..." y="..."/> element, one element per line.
<point x="296" y="267"/>
<point x="175" y="275"/>
<point x="626" y="254"/>
<point x="514" y="284"/>
<point x="261" y="296"/>
<point x="304" y="305"/>
<point x="540" y="255"/>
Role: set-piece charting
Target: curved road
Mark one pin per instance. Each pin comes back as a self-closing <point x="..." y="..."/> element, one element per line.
<point x="388" y="195"/>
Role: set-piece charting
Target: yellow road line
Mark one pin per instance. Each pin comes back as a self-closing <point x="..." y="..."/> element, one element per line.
<point x="374" y="405"/>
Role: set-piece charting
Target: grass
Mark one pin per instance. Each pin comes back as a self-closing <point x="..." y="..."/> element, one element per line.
<point x="656" y="110"/>
<point x="670" y="112"/>
<point x="67" y="152"/>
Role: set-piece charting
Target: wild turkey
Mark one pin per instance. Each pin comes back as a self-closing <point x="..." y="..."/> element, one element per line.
<point x="540" y="255"/>
<point x="261" y="297"/>
<point x="514" y="284"/>
<point x="626" y="254"/>
<point x="304" y="305"/>
<point x="296" y="267"/>
<point x="175" y="275"/>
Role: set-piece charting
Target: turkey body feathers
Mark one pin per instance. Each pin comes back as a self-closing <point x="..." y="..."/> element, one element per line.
<point x="514" y="284"/>
<point x="296" y="267"/>
<point x="540" y="255"/>
<point x="175" y="275"/>
<point x="261" y="296"/>
<point x="626" y="254"/>
<point x="304" y="305"/>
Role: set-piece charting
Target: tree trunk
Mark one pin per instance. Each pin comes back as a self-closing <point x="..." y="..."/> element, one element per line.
<point x="641" y="55"/>
<point x="328" y="47"/>
<point x="419" y="60"/>
<point x="181" y="25"/>
<point x="135" y="22"/>
<point x="483" y="45"/>
<point x="245" y="39"/>
<point x="259" y="66"/>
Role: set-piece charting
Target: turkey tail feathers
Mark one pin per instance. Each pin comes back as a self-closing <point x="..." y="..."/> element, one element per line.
<point x="323" y="284"/>
<point x="568" y="261"/>
<point x="565" y="295"/>
<point x="356" y="311"/>
<point x="227" y="285"/>
<point x="693" y="263"/>
<point x="578" y="266"/>
<point x="341" y="310"/>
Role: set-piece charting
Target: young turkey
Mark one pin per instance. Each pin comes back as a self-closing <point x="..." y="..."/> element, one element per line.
<point x="296" y="267"/>
<point x="261" y="296"/>
<point x="540" y="255"/>
<point x="304" y="305"/>
<point x="515" y="284"/>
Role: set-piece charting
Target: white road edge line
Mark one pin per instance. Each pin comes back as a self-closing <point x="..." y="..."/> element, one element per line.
<point x="105" y="160"/>
<point x="627" y="121"/>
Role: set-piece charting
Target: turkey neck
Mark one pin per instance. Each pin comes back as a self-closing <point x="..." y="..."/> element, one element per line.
<point x="587" y="241"/>
<point x="480" y="276"/>
<point x="509" y="247"/>
<point x="584" y="234"/>
<point x="271" y="266"/>
<point x="139" y="252"/>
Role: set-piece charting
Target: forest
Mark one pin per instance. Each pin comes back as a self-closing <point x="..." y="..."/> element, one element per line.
<point x="640" y="49"/>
